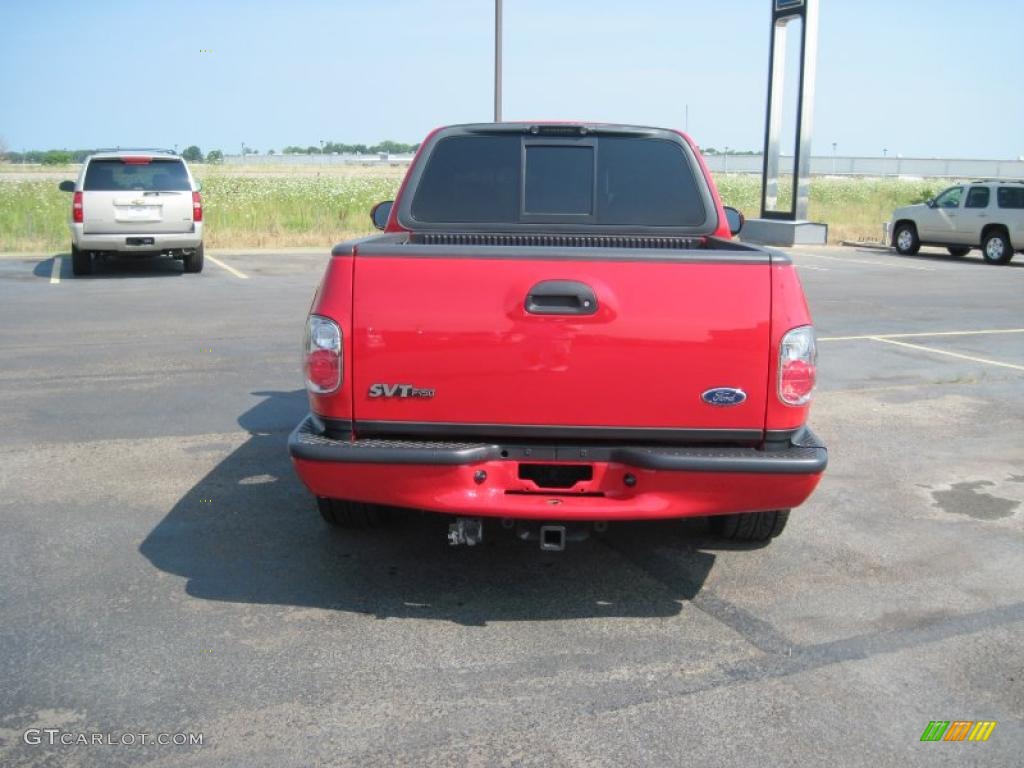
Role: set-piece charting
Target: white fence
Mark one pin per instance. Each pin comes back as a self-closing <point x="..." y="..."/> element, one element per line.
<point x="907" y="167"/>
<point x="377" y="159"/>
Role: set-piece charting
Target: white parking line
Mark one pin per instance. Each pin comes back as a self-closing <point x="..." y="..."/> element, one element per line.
<point x="55" y="271"/>
<point x="924" y="335"/>
<point x="948" y="354"/>
<point x="229" y="268"/>
<point x="872" y="263"/>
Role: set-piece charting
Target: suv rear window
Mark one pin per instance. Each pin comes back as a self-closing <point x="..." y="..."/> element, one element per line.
<point x="116" y="174"/>
<point x="611" y="180"/>
<point x="1010" y="197"/>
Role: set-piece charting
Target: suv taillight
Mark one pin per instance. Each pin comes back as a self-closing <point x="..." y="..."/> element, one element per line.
<point x="323" y="357"/>
<point x="197" y="207"/>
<point x="76" y="208"/>
<point x="798" y="359"/>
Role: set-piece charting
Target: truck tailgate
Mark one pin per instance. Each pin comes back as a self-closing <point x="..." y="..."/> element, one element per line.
<point x="443" y="338"/>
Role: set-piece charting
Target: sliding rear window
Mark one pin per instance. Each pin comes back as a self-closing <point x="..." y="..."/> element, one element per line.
<point x="509" y="179"/>
<point x="123" y="174"/>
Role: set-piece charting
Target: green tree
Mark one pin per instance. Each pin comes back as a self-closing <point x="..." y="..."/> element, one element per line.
<point x="193" y="154"/>
<point x="393" y="147"/>
<point x="56" y="157"/>
<point x="214" y="156"/>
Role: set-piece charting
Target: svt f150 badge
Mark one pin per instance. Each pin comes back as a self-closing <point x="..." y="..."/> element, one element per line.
<point x="399" y="390"/>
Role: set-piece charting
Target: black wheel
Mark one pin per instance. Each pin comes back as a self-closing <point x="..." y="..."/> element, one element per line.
<point x="81" y="263"/>
<point x="995" y="247"/>
<point x="751" y="526"/>
<point x="194" y="261"/>
<point x="958" y="250"/>
<point x="906" y="240"/>
<point x="351" y="514"/>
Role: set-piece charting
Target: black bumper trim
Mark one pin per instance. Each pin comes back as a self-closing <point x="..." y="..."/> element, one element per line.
<point x="805" y="455"/>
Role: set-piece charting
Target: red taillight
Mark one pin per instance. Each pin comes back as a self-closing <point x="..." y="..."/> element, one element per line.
<point x="798" y="358"/>
<point x="323" y="356"/>
<point x="197" y="207"/>
<point x="76" y="208"/>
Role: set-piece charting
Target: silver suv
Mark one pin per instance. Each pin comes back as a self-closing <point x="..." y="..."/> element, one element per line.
<point x="982" y="214"/>
<point x="135" y="202"/>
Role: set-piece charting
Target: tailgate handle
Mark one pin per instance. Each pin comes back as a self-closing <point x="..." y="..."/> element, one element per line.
<point x="561" y="297"/>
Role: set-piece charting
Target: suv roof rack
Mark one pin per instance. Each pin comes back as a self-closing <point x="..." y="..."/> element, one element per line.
<point x="997" y="181"/>
<point x="135" y="149"/>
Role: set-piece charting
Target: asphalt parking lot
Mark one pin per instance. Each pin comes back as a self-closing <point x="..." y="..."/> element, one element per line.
<point x="163" y="571"/>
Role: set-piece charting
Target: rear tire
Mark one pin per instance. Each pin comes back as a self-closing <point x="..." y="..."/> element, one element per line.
<point x="751" y="526"/>
<point x="905" y="239"/>
<point x="81" y="262"/>
<point x="958" y="250"/>
<point x="194" y="261"/>
<point x="351" y="514"/>
<point x="996" y="248"/>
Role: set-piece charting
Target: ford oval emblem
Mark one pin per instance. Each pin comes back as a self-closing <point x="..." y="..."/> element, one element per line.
<point x="723" y="397"/>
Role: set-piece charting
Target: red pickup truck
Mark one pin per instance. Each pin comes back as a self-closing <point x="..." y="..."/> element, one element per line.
<point x="556" y="329"/>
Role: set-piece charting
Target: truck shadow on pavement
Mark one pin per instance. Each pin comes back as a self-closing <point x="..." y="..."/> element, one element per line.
<point x="249" y="532"/>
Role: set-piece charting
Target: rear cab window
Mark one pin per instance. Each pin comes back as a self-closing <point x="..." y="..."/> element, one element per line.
<point x="516" y="180"/>
<point x="123" y="174"/>
<point x="1010" y="197"/>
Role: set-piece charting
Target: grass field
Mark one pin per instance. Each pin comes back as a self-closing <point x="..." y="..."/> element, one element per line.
<point x="283" y="206"/>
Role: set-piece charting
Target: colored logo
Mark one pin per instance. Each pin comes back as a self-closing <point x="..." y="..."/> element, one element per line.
<point x="723" y="397"/>
<point x="958" y="730"/>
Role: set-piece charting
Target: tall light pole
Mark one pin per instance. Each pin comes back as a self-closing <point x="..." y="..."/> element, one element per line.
<point x="833" y="158"/>
<point x="497" y="61"/>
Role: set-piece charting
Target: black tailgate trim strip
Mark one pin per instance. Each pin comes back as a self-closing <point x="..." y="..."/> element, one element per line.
<point x="442" y="429"/>
<point x="739" y="255"/>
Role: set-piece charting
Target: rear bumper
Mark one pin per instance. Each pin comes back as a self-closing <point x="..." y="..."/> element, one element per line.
<point x="628" y="482"/>
<point x="162" y="241"/>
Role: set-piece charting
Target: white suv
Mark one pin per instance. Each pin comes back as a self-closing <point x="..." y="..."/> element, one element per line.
<point x="142" y="202"/>
<point x="980" y="214"/>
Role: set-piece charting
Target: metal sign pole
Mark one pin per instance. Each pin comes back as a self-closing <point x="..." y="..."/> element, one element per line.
<point x="788" y="225"/>
<point x="784" y="12"/>
<point x="805" y="109"/>
<point x="497" y="61"/>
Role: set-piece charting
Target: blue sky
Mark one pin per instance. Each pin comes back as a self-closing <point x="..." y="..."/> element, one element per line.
<point x="917" y="78"/>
